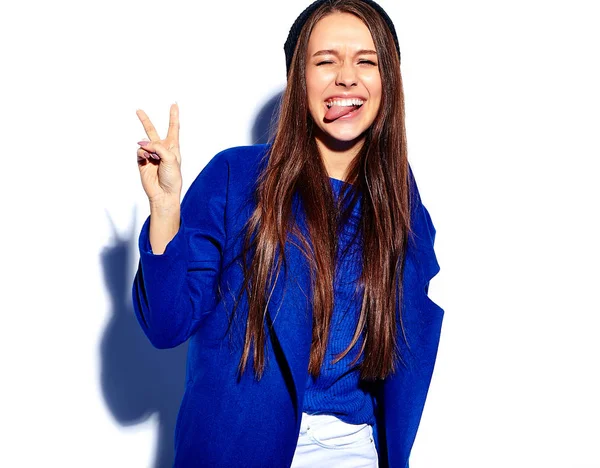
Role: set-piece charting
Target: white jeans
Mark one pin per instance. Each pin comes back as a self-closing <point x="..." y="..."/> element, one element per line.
<point x="327" y="441"/>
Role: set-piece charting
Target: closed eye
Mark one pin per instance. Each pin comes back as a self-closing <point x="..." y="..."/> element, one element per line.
<point x="369" y="62"/>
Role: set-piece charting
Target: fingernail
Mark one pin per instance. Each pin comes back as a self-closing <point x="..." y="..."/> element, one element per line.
<point x="143" y="143"/>
<point x="154" y="156"/>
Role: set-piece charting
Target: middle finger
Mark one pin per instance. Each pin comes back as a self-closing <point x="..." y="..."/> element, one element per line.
<point x="173" y="133"/>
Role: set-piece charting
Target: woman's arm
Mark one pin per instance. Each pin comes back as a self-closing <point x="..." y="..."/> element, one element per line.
<point x="165" y="217"/>
<point x="174" y="289"/>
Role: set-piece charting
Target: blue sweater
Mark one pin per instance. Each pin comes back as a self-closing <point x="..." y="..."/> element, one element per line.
<point x="338" y="389"/>
<point x="187" y="293"/>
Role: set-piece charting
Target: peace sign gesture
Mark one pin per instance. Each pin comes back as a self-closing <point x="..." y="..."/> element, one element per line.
<point x="159" y="161"/>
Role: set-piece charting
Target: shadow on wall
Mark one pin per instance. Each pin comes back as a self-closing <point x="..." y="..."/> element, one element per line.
<point x="137" y="379"/>
<point x="266" y="120"/>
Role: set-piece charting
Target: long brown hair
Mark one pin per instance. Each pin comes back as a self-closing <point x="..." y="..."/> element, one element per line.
<point x="379" y="173"/>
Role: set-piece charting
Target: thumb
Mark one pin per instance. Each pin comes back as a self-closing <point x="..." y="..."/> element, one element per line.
<point x="157" y="147"/>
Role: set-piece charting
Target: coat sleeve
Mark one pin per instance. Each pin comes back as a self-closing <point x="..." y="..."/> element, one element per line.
<point x="405" y="392"/>
<point x="173" y="291"/>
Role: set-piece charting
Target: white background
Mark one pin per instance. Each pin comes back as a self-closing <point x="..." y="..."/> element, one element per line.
<point x="502" y="117"/>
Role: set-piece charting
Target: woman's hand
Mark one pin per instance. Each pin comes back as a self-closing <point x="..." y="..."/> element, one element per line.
<point x="159" y="161"/>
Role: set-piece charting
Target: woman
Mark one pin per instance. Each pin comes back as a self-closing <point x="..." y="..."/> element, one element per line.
<point x="299" y="270"/>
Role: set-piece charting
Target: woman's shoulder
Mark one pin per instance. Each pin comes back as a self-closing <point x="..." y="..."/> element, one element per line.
<point x="242" y="161"/>
<point x="231" y="173"/>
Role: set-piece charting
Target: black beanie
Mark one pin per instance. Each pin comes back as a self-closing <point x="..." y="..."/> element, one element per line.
<point x="290" y="43"/>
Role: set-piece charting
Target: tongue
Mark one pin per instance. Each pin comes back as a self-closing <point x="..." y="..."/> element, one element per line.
<point x="335" y="112"/>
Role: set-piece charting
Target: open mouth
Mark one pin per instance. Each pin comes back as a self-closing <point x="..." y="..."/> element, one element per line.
<point x="339" y="108"/>
<point x="355" y="102"/>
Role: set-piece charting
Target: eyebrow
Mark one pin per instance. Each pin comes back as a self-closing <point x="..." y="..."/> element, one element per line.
<point x="335" y="52"/>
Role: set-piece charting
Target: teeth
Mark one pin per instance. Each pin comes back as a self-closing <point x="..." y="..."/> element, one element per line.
<point x="345" y="102"/>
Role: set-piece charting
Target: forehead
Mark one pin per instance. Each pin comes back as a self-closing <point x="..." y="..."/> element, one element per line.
<point x="338" y="31"/>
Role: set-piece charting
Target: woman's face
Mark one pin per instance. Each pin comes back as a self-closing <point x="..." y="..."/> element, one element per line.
<point x="342" y="78"/>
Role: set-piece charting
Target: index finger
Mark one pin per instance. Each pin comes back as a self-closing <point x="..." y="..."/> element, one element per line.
<point x="150" y="130"/>
<point x="173" y="133"/>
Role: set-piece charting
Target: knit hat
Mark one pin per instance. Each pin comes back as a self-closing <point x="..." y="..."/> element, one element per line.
<point x="292" y="39"/>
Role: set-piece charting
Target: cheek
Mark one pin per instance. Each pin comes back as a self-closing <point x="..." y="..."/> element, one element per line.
<point x="375" y="95"/>
<point x="373" y="84"/>
<point x="375" y="91"/>
<point x="313" y="108"/>
<point x="315" y="87"/>
<point x="314" y="84"/>
<point x="311" y="90"/>
<point x="313" y="112"/>
<point x="377" y="107"/>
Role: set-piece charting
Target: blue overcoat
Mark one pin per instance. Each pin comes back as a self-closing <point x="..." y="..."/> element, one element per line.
<point x="228" y="420"/>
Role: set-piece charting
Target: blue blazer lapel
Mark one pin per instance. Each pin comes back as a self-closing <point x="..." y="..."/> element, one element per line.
<point x="289" y="315"/>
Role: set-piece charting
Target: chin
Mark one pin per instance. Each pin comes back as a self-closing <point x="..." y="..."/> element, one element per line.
<point x="343" y="135"/>
<point x="340" y="134"/>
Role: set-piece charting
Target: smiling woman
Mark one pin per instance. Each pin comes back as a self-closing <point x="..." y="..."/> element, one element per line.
<point x="343" y="85"/>
<point x="298" y="270"/>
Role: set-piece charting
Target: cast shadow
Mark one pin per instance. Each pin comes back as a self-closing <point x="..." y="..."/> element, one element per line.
<point x="266" y="120"/>
<point x="138" y="380"/>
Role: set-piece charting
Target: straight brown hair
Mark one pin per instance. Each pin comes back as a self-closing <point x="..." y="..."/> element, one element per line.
<point x="379" y="174"/>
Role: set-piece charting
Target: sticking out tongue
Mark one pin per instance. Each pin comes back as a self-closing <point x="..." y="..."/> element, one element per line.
<point x="335" y="112"/>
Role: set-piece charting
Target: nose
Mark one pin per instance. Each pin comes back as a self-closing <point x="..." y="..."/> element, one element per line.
<point x="346" y="75"/>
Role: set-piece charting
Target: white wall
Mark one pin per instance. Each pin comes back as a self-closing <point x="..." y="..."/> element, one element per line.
<point x="502" y="115"/>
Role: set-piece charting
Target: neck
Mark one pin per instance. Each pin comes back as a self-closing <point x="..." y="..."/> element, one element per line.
<point x="337" y="155"/>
